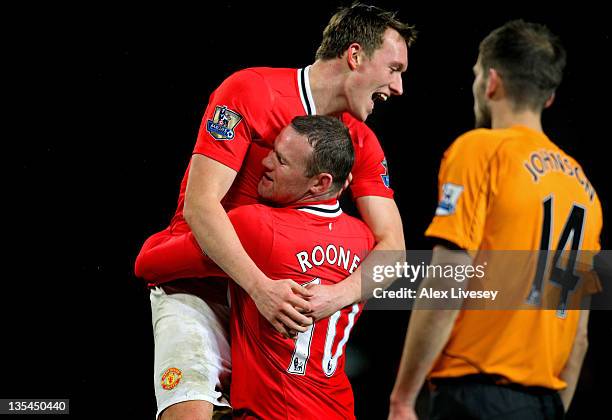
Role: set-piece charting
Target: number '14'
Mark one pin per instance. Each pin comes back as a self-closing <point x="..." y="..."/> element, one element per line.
<point x="564" y="277"/>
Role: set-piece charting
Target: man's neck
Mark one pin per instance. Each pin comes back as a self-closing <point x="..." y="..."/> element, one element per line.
<point x="315" y="198"/>
<point x="504" y="116"/>
<point x="327" y="79"/>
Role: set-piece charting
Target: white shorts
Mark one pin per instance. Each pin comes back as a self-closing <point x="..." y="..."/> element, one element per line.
<point x="192" y="349"/>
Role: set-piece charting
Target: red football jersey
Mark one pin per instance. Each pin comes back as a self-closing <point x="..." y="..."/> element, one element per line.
<point x="244" y="116"/>
<point x="246" y="113"/>
<point x="278" y="378"/>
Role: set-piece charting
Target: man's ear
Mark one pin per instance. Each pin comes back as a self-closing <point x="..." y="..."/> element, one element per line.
<point x="495" y="84"/>
<point x="550" y="100"/>
<point x="322" y="183"/>
<point x="353" y="57"/>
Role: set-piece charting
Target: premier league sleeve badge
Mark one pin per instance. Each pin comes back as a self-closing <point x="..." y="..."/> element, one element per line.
<point x="224" y="121"/>
<point x="385" y="176"/>
<point x="450" y="196"/>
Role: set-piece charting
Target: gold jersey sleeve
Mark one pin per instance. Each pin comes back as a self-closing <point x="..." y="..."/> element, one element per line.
<point x="514" y="190"/>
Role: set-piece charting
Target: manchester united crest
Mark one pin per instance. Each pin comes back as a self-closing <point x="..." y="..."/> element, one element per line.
<point x="221" y="127"/>
<point x="171" y="378"/>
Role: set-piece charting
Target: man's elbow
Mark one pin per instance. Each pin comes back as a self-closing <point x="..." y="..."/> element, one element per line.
<point x="189" y="213"/>
<point x="393" y="239"/>
<point x="198" y="208"/>
<point x="194" y="210"/>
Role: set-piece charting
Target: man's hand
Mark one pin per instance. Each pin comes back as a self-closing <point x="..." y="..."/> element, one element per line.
<point x="401" y="411"/>
<point x="325" y="300"/>
<point x="282" y="303"/>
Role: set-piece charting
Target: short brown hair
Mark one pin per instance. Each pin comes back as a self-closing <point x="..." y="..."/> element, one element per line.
<point x="364" y="25"/>
<point x="333" y="151"/>
<point x="529" y="58"/>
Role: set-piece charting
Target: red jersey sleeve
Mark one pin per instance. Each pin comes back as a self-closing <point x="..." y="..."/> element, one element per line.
<point x="370" y="173"/>
<point x="235" y="111"/>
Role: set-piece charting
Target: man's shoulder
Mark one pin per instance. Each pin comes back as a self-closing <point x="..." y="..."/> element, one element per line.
<point x="258" y="95"/>
<point x="355" y="125"/>
<point x="362" y="135"/>
<point x="480" y="143"/>
<point x="486" y="138"/>
<point x="259" y="211"/>
<point x="252" y="222"/>
<point x="249" y="210"/>
<point x="479" y="137"/>
<point x="321" y="222"/>
<point x="259" y="87"/>
<point x="268" y="75"/>
<point x="355" y="224"/>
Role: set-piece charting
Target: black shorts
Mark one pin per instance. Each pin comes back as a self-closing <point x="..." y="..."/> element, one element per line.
<point x="481" y="397"/>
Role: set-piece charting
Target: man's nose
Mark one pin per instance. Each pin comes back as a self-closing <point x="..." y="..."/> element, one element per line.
<point x="267" y="161"/>
<point x="396" y="85"/>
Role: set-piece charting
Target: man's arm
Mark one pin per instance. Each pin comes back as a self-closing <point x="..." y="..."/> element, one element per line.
<point x="428" y="333"/>
<point x="382" y="217"/>
<point x="571" y="371"/>
<point x="208" y="183"/>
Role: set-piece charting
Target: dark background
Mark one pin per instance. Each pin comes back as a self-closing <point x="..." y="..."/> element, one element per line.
<point x="105" y="104"/>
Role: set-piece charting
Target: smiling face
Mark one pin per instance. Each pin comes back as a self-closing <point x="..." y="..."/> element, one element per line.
<point x="378" y="77"/>
<point x="285" y="180"/>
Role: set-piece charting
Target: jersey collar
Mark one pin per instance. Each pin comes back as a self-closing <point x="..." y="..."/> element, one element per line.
<point x="305" y="92"/>
<point x="328" y="208"/>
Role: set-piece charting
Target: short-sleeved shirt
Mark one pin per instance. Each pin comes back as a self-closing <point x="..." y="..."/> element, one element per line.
<point x="513" y="189"/>
<point x="246" y="113"/>
<point x="278" y="378"/>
